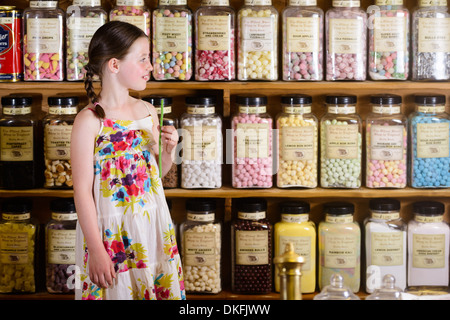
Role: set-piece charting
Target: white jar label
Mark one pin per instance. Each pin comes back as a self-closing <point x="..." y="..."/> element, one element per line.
<point x="215" y="2"/>
<point x="199" y="248"/>
<point x="171" y="34"/>
<point x="338" y="219"/>
<point x="214" y="32"/>
<point x="297" y="110"/>
<point x="138" y="21"/>
<point x="297" y="142"/>
<point x="428" y="251"/>
<point x="433" y="35"/>
<point x="303" y="2"/>
<point x="346" y="36"/>
<point x="16" y="143"/>
<point x="61" y="246"/>
<point x="258" y="2"/>
<point x="294" y="218"/>
<point x="386" y="142"/>
<point x="252" y="215"/>
<point x="302" y="247"/>
<point x="130" y="2"/>
<point x="14" y="248"/>
<point x="389" y="2"/>
<point x="387" y="248"/>
<point x="200" y="217"/>
<point x="81" y="31"/>
<point x="340" y="251"/>
<point x="92" y="3"/>
<point x="390" y="34"/>
<point x="252" y="140"/>
<point x="433" y="140"/>
<point x="200" y="143"/>
<point x="342" y="141"/>
<point x="303" y="34"/>
<point x="346" y="3"/>
<point x="257" y="34"/>
<point x="432" y="3"/>
<point x="57" y="142"/>
<point x="44" y="35"/>
<point x="252" y="247"/>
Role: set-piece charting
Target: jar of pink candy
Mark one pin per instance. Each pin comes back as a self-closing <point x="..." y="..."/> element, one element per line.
<point x="252" y="143"/>
<point x="257" y="40"/>
<point x="388" y="40"/>
<point x="386" y="143"/>
<point x="214" y="41"/>
<point x="302" y="41"/>
<point x="84" y="17"/>
<point x="132" y="11"/>
<point x="346" y="35"/>
<point x="172" y="41"/>
<point x="43" y="41"/>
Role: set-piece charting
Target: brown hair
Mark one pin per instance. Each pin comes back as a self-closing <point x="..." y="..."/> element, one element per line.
<point x="111" y="40"/>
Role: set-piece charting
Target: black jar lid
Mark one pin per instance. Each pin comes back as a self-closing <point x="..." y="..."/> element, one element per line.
<point x="158" y="100"/>
<point x="200" y="100"/>
<point x="17" y="100"/>
<point x="63" y="205"/>
<point x="251" y="99"/>
<point x="340" y="99"/>
<point x="252" y="205"/>
<point x="17" y="205"/>
<point x="296" y="99"/>
<point x="339" y="208"/>
<point x="384" y="204"/>
<point x="201" y="205"/>
<point x="383" y="99"/>
<point x="427" y="99"/>
<point x="294" y="207"/>
<point x="63" y="101"/>
<point x="429" y="208"/>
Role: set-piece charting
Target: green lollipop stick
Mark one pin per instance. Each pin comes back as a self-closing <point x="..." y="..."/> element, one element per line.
<point x="160" y="144"/>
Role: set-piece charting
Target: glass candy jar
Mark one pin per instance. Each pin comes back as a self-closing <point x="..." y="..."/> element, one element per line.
<point x="132" y="11"/>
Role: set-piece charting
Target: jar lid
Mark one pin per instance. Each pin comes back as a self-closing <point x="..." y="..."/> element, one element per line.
<point x="17" y="205"/>
<point x="63" y="101"/>
<point x="63" y="205"/>
<point x="200" y="100"/>
<point x="385" y="99"/>
<point x="384" y="204"/>
<point x="296" y="99"/>
<point x="200" y="204"/>
<point x="13" y="100"/>
<point x="429" y="208"/>
<point x="294" y="207"/>
<point x="251" y="99"/>
<point x="157" y="100"/>
<point x="341" y="99"/>
<point x="252" y="205"/>
<point x="429" y="99"/>
<point x="339" y="208"/>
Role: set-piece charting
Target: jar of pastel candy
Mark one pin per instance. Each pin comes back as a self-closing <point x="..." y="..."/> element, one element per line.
<point x="252" y="143"/>
<point x="257" y="41"/>
<point x="302" y="41"/>
<point x="341" y="143"/>
<point x="18" y="235"/>
<point x="83" y="18"/>
<point x="345" y="28"/>
<point x="430" y="143"/>
<point x="43" y="41"/>
<point x="202" y="143"/>
<point x="386" y="143"/>
<point x="132" y="11"/>
<point x="214" y="41"/>
<point x="60" y="241"/>
<point x="201" y="236"/>
<point x="297" y="129"/>
<point x="431" y="54"/>
<point x="172" y="41"/>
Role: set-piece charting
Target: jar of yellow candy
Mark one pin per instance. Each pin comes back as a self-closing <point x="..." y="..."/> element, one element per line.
<point x="17" y="247"/>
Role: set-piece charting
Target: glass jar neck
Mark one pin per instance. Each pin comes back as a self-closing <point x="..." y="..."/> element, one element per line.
<point x="252" y="215"/>
<point x="303" y="3"/>
<point x="296" y="108"/>
<point x="62" y="110"/>
<point x="218" y="3"/>
<point x="346" y="3"/>
<point x="428" y="218"/>
<point x="343" y="218"/>
<point x="341" y="108"/>
<point x="386" y="109"/>
<point x="200" y="216"/>
<point x="294" y="218"/>
<point x="384" y="215"/>
<point x="64" y="216"/>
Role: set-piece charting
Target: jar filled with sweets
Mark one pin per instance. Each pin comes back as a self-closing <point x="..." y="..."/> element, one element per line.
<point x="19" y="150"/>
<point x="252" y="143"/>
<point x="18" y="235"/>
<point x="83" y="18"/>
<point x="341" y="143"/>
<point x="60" y="241"/>
<point x="172" y="41"/>
<point x="11" y="68"/>
<point x="132" y="11"/>
<point x="58" y="124"/>
<point x="163" y="103"/>
<point x="389" y="41"/>
<point x="302" y="41"/>
<point x="202" y="142"/>
<point x="201" y="236"/>
<point x="430" y="41"/>
<point x="346" y="36"/>
<point x="430" y="143"/>
<point x="43" y="41"/>
<point x="257" y="41"/>
<point x="386" y="143"/>
<point x="251" y="241"/>
<point x="297" y="142"/>
<point x="215" y="41"/>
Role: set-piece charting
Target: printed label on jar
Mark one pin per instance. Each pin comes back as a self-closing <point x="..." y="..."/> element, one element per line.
<point x="252" y="140"/>
<point x="16" y="217"/>
<point x="62" y="111"/>
<point x="386" y="110"/>
<point x="16" y="143"/>
<point x="88" y="3"/>
<point x="389" y="2"/>
<point x="247" y="109"/>
<point x="44" y="35"/>
<point x="252" y="215"/>
<point x="428" y="219"/>
<point x="431" y="109"/>
<point x="433" y="35"/>
<point x="57" y="142"/>
<point x="385" y="216"/>
<point x="338" y="219"/>
<point x="431" y="3"/>
<point x="172" y="2"/>
<point x="346" y="3"/>
<point x="390" y="34"/>
<point x="386" y="142"/>
<point x="341" y="109"/>
<point x="81" y="31"/>
<point x="43" y="4"/>
<point x="387" y="248"/>
<point x="258" y="2"/>
<point x="199" y="248"/>
<point x="257" y="34"/>
<point x="171" y="34"/>
<point x="14" y="247"/>
<point x="302" y="247"/>
<point x="294" y="218"/>
<point x="200" y="217"/>
<point x="167" y="110"/>
<point x="297" y="143"/>
<point x="303" y="34"/>
<point x="16" y="111"/>
<point x="433" y="140"/>
<point x="298" y="110"/>
<point x="200" y="143"/>
<point x="303" y="2"/>
<point x="342" y="141"/>
<point x="252" y="247"/>
<point x="202" y="110"/>
<point x="340" y="251"/>
<point x="214" y="32"/>
<point x="138" y="21"/>
<point x="61" y="246"/>
<point x="130" y="3"/>
<point x="215" y="2"/>
<point x="64" y="216"/>
<point x="428" y="251"/>
<point x="346" y="36"/>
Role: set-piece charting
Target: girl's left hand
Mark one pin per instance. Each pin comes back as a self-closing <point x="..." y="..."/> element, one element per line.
<point x="169" y="138"/>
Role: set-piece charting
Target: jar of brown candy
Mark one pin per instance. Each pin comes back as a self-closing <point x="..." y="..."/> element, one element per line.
<point x="60" y="238"/>
<point x="251" y="248"/>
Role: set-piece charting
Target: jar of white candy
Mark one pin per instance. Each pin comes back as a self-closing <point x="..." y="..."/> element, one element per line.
<point x="340" y="136"/>
<point x="201" y="247"/>
<point x="202" y="143"/>
<point x="257" y="41"/>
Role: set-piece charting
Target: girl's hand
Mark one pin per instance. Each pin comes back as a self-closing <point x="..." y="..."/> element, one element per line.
<point x="101" y="269"/>
<point x="169" y="138"/>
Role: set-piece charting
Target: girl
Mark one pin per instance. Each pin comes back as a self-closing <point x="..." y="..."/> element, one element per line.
<point x="126" y="246"/>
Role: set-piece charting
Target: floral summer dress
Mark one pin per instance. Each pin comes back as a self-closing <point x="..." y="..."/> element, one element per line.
<point x="133" y="218"/>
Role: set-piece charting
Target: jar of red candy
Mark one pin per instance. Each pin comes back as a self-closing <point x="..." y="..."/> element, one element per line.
<point x="43" y="41"/>
<point x="302" y="41"/>
<point x="252" y="143"/>
<point x="172" y="41"/>
<point x="346" y="35"/>
<point x="251" y="248"/>
<point x="214" y="41"/>
<point x="132" y="11"/>
<point x="389" y="41"/>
